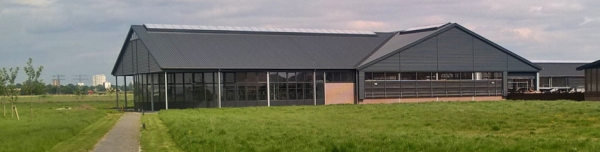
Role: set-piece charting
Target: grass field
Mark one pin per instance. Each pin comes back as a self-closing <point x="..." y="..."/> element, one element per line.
<point x="436" y="126"/>
<point x="57" y="126"/>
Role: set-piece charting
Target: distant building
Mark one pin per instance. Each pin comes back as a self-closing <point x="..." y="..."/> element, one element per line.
<point x="80" y="84"/>
<point x="106" y="85"/>
<point x="55" y="82"/>
<point x="98" y="79"/>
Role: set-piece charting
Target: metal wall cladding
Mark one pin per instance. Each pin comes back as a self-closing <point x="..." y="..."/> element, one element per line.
<point x="452" y="50"/>
<point x="361" y="85"/>
<point x="488" y="58"/>
<point x="455" y="51"/>
<point x="422" y="57"/>
<point x="127" y="60"/>
<point x="560" y="69"/>
<point x="515" y="64"/>
<point x="145" y="60"/>
<point x="391" y="63"/>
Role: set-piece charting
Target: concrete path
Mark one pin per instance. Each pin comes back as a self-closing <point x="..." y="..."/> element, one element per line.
<point x="124" y="136"/>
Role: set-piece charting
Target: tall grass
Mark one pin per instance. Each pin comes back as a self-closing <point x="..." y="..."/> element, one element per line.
<point x="435" y="126"/>
<point x="52" y="123"/>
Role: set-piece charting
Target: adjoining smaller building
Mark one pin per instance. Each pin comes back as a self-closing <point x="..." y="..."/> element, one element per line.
<point x="592" y="80"/>
<point x="561" y="76"/>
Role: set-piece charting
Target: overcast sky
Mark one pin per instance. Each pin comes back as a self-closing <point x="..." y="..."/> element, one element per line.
<point x="85" y="36"/>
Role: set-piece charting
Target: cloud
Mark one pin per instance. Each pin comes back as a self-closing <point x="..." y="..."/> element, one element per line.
<point x="536" y="9"/>
<point x="587" y="20"/>
<point x="367" y="25"/>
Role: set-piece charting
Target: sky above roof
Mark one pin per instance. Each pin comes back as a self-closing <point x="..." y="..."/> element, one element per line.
<point x="84" y="37"/>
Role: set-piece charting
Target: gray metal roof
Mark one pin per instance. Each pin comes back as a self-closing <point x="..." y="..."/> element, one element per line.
<point x="399" y="41"/>
<point x="418" y="36"/>
<point x="560" y="69"/>
<point x="595" y="64"/>
<point x="256" y="50"/>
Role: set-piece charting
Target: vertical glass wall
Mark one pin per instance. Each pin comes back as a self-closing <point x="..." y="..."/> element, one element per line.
<point x="432" y="84"/>
<point x="239" y="89"/>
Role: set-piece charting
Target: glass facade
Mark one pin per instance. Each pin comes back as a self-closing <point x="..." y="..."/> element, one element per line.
<point x="432" y="84"/>
<point x="238" y="89"/>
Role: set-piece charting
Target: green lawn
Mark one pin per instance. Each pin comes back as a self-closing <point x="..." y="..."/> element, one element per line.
<point x="66" y="124"/>
<point x="435" y="126"/>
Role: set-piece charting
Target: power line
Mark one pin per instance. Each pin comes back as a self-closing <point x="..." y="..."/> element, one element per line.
<point x="57" y="78"/>
<point x="80" y="78"/>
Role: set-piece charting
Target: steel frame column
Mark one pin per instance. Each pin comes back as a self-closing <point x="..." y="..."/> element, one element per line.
<point x="315" y="87"/>
<point x="268" y="90"/>
<point x="152" y="94"/>
<point x="125" y="81"/>
<point x="537" y="82"/>
<point x="166" y="93"/>
<point x="117" y="91"/>
<point x="219" y="87"/>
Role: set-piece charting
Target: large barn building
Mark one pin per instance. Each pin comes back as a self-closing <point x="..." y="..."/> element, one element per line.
<point x="183" y="66"/>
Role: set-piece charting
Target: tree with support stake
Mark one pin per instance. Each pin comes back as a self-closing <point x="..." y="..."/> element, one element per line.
<point x="11" y="90"/>
<point x="33" y="84"/>
<point x="3" y="93"/>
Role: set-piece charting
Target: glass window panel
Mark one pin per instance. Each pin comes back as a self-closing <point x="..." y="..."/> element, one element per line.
<point x="449" y="76"/>
<point x="188" y="78"/>
<point x="240" y="77"/>
<point x="369" y="76"/>
<point x="291" y="77"/>
<point x="282" y="76"/>
<point x="424" y="76"/>
<point x="199" y="92"/>
<point x="209" y="78"/>
<point x="229" y="77"/>
<point x="252" y="91"/>
<point x="319" y="76"/>
<point x="301" y="76"/>
<point x="198" y="78"/>
<point x="210" y="91"/>
<point x="179" y="78"/>
<point x="391" y="76"/>
<point x="262" y="77"/>
<point x="262" y="90"/>
<point x="241" y="92"/>
<point x="251" y="77"/>
<point x="273" y="77"/>
<point x="466" y="75"/>
<point x="378" y="76"/>
<point x="408" y="76"/>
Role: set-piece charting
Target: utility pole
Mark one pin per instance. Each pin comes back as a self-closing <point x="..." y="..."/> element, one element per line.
<point x="57" y="78"/>
<point x="80" y="78"/>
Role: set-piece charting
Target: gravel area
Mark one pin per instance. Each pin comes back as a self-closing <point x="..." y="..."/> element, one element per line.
<point x="124" y="136"/>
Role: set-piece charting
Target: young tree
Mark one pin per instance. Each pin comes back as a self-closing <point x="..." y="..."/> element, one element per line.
<point x="33" y="84"/>
<point x="3" y="79"/>
<point x="11" y="89"/>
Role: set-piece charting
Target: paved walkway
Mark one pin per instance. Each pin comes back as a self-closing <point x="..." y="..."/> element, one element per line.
<point x="124" y="136"/>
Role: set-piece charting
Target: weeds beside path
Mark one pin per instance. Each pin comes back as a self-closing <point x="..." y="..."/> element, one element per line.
<point x="156" y="137"/>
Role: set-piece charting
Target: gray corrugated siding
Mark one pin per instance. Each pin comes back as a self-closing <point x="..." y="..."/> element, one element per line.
<point x="488" y="58"/>
<point x="453" y="50"/>
<point x="422" y="57"/>
<point x="517" y="65"/>
<point x="396" y="42"/>
<point x="391" y="63"/>
<point x="560" y="69"/>
<point x="126" y="60"/>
